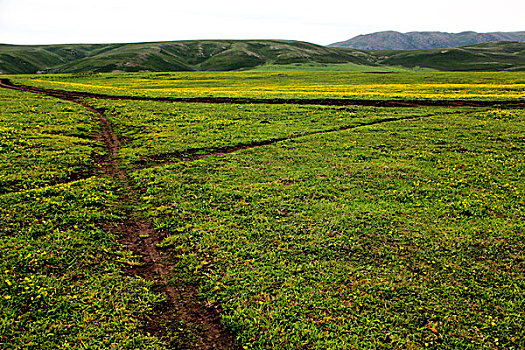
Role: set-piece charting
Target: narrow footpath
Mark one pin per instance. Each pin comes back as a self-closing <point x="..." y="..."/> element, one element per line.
<point x="181" y="305"/>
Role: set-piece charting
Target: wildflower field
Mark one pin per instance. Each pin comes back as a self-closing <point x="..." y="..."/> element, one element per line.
<point x="298" y="84"/>
<point x="305" y="226"/>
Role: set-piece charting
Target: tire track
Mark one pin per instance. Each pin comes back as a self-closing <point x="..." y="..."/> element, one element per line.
<point x="196" y="153"/>
<point x="299" y="101"/>
<point x="181" y="304"/>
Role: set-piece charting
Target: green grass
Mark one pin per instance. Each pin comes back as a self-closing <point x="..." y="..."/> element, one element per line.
<point x="61" y="282"/>
<point x="404" y="234"/>
<point x="43" y="141"/>
<point x="295" y="84"/>
<point x="407" y="234"/>
<point x="332" y="67"/>
<point x="61" y="267"/>
<point x="155" y="131"/>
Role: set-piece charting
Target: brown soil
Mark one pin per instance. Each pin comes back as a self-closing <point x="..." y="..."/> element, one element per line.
<point x="299" y="101"/>
<point x="181" y="306"/>
<point x="195" y="154"/>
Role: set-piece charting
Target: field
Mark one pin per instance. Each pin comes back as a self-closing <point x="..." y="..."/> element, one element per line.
<point x="299" y="84"/>
<point x="159" y="224"/>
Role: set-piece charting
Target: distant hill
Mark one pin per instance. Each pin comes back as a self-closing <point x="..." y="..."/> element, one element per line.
<point x="218" y="55"/>
<point x="493" y="56"/>
<point x="224" y="55"/>
<point x="391" y="40"/>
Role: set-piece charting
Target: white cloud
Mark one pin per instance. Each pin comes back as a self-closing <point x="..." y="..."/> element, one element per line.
<point x="64" y="21"/>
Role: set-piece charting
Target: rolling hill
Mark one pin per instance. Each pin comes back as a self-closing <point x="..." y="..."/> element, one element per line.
<point x="169" y="56"/>
<point x="493" y="56"/>
<point x="224" y="55"/>
<point x="390" y="40"/>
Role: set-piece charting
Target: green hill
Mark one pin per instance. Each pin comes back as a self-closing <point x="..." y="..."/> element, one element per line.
<point x="493" y="56"/>
<point x="391" y="40"/>
<point x="223" y="55"/>
<point x="169" y="56"/>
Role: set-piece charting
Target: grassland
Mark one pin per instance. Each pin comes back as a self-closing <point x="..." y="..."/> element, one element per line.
<point x="317" y="227"/>
<point x="61" y="283"/>
<point x="43" y="143"/>
<point x="290" y="84"/>
<point x="403" y="234"/>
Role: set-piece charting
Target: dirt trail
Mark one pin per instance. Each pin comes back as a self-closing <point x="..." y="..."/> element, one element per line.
<point x="300" y="101"/>
<point x="195" y="154"/>
<point x="182" y="303"/>
<point x="137" y="234"/>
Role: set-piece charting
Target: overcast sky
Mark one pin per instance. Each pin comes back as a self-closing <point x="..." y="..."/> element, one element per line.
<point x="325" y="22"/>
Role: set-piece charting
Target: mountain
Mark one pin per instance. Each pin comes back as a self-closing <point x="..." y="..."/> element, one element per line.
<point x="391" y="40"/>
<point x="493" y="56"/>
<point x="169" y="56"/>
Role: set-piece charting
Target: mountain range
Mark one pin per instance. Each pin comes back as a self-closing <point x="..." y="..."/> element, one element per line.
<point x="390" y="40"/>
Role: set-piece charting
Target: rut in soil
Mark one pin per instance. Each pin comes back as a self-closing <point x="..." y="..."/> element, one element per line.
<point x="181" y="303"/>
<point x="277" y="101"/>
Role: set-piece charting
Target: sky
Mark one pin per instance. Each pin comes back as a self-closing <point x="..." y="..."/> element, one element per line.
<point x="321" y="22"/>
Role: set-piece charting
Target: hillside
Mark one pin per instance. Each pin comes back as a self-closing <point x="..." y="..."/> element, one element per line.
<point x="494" y="56"/>
<point x="390" y="40"/>
<point x="224" y="55"/>
<point x="217" y="55"/>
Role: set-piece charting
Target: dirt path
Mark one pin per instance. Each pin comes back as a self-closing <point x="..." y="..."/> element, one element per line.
<point x="197" y="153"/>
<point x="300" y="101"/>
<point x="182" y="304"/>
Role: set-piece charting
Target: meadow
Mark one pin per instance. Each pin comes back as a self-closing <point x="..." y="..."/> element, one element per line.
<point x="294" y="84"/>
<point x="309" y="227"/>
<point x="62" y="283"/>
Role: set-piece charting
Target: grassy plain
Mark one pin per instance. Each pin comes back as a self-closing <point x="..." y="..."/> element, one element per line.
<point x="404" y="234"/>
<point x="61" y="283"/>
<point x="158" y="131"/>
<point x="295" y="84"/>
<point x="42" y="142"/>
<point x="405" y="230"/>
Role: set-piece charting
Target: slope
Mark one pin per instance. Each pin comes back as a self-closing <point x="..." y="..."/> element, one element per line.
<point x="169" y="56"/>
<point x="391" y="40"/>
<point x="494" y="56"/>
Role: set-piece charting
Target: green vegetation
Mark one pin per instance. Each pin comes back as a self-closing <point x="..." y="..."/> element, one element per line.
<point x="494" y="56"/>
<point x="406" y="234"/>
<point x="402" y="234"/>
<point x="345" y="227"/>
<point x="294" y="84"/>
<point x="169" y="56"/>
<point x="156" y="131"/>
<point x="333" y="67"/>
<point x="43" y="142"/>
<point x="227" y="55"/>
<point x="61" y="283"/>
